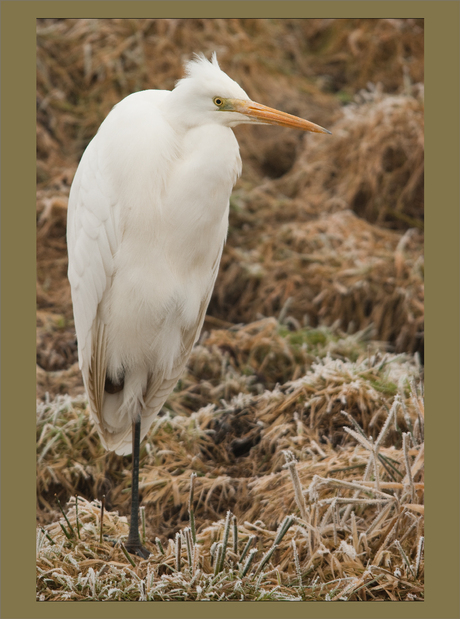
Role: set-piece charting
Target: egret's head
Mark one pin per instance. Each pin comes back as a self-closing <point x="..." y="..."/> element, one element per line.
<point x="208" y="95"/>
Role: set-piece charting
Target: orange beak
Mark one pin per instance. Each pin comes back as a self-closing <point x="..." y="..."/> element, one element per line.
<point x="269" y="116"/>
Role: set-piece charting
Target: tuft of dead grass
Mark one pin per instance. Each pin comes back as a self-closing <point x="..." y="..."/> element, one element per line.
<point x="336" y="268"/>
<point x="373" y="166"/>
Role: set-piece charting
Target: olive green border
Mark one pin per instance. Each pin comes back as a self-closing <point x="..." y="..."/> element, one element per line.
<point x="18" y="306"/>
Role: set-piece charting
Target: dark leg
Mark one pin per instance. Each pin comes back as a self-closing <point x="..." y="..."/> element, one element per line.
<point x="133" y="545"/>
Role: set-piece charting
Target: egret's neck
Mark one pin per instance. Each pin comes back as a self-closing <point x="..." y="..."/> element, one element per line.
<point x="199" y="190"/>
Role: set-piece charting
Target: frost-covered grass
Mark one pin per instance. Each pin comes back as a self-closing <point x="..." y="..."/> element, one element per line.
<point x="310" y="490"/>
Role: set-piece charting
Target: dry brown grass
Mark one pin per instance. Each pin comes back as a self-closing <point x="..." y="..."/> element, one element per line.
<point x="374" y="165"/>
<point x="227" y="364"/>
<point x="335" y="268"/>
<point x="340" y="448"/>
<point x="354" y="508"/>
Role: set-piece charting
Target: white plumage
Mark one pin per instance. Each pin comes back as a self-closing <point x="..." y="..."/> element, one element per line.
<point x="147" y="221"/>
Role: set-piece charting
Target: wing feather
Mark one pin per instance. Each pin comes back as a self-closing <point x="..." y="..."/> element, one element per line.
<point x="92" y="221"/>
<point x="90" y="254"/>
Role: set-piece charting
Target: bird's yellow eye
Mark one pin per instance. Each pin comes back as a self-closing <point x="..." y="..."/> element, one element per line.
<point x="218" y="101"/>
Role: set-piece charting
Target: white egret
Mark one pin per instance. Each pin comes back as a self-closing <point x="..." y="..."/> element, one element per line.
<point x="147" y="221"/>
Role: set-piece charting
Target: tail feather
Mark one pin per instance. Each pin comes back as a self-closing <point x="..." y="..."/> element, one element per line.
<point x="143" y="393"/>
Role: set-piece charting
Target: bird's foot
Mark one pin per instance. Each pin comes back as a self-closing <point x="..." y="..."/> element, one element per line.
<point x="136" y="548"/>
